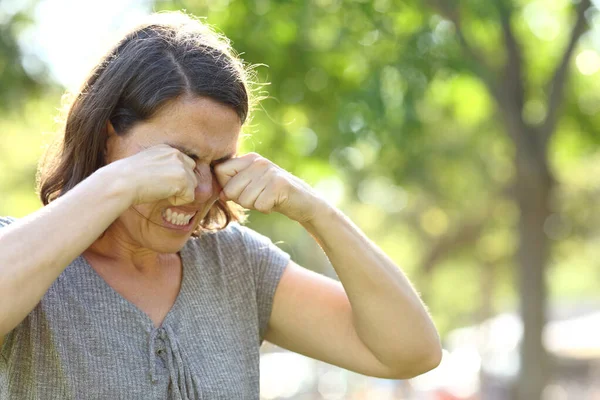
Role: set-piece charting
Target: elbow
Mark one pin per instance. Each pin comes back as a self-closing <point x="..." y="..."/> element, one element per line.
<point x="428" y="361"/>
<point x="420" y="362"/>
<point x="428" y="354"/>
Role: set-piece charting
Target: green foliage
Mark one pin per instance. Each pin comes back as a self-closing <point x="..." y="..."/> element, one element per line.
<point x="24" y="135"/>
<point x="387" y="94"/>
<point x="17" y="82"/>
<point x="377" y="105"/>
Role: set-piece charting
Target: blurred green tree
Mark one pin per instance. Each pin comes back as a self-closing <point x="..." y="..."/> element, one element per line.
<point x="456" y="101"/>
<point x="21" y="75"/>
<point x="435" y="125"/>
<point x="528" y="98"/>
<point x="25" y="109"/>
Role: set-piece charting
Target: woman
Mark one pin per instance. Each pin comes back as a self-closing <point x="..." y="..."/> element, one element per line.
<point x="136" y="280"/>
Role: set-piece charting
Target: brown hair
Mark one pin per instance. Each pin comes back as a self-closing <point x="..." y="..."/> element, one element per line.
<point x="167" y="56"/>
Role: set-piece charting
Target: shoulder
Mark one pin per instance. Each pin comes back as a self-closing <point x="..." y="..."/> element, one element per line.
<point x="235" y="244"/>
<point x="234" y="236"/>
<point x="221" y="247"/>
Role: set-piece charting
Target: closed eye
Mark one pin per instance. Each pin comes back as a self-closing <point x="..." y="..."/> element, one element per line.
<point x="214" y="164"/>
<point x="192" y="156"/>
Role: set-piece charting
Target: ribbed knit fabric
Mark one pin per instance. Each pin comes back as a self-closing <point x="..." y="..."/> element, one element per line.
<point x="85" y="341"/>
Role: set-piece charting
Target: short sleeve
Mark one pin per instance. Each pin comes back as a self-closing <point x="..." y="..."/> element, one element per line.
<point x="4" y="221"/>
<point x="268" y="263"/>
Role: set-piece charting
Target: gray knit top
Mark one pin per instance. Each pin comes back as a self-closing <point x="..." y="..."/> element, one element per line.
<point x="85" y="341"/>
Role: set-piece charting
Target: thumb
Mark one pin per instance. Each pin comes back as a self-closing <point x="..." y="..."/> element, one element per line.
<point x="180" y="199"/>
<point x="177" y="200"/>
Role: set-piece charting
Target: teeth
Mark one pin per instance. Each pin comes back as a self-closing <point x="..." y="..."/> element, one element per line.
<point x="177" y="218"/>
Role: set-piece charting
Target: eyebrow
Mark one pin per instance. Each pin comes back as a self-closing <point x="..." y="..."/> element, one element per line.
<point x="192" y="154"/>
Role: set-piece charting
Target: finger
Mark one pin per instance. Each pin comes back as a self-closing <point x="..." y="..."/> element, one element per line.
<point x="230" y="168"/>
<point x="185" y="198"/>
<point x="176" y="201"/>
<point x="236" y="185"/>
<point x="265" y="201"/>
<point x="187" y="192"/>
<point x="251" y="192"/>
<point x="187" y="160"/>
<point x="190" y="189"/>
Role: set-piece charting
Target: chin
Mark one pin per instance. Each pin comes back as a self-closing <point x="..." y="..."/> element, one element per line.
<point x="163" y="241"/>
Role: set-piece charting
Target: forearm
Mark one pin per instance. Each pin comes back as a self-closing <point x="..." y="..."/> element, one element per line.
<point x="35" y="250"/>
<point x="388" y="315"/>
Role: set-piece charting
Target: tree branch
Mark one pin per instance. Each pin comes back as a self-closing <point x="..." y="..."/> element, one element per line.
<point x="513" y="90"/>
<point x="481" y="68"/>
<point x="464" y="235"/>
<point x="514" y="64"/>
<point x="556" y="85"/>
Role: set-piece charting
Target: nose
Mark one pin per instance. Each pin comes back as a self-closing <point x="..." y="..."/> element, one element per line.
<point x="205" y="189"/>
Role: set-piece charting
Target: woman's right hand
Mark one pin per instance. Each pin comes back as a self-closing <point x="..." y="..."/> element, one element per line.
<point x="156" y="173"/>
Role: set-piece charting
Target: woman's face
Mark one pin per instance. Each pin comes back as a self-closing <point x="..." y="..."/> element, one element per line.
<point x="202" y="128"/>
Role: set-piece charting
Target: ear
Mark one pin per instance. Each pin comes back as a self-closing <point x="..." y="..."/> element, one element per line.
<point x="109" y="143"/>
<point x="110" y="129"/>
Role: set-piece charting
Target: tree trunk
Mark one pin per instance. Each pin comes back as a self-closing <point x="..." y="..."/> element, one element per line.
<point x="533" y="189"/>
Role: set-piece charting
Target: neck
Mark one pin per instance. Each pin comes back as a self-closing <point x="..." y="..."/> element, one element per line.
<point x="115" y="248"/>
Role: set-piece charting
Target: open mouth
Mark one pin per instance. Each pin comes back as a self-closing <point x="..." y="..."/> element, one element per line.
<point x="178" y="219"/>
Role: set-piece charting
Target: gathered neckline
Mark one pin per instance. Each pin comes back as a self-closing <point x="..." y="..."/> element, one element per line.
<point x="128" y="304"/>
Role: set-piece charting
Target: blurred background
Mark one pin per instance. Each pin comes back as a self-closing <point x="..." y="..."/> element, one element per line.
<point x="461" y="136"/>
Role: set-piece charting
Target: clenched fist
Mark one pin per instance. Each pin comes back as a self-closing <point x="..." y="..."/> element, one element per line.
<point x="258" y="184"/>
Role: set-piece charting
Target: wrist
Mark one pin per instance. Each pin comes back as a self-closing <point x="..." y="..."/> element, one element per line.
<point x="112" y="183"/>
<point x="323" y="212"/>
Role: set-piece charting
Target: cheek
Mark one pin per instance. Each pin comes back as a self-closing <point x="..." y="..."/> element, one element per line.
<point x="136" y="219"/>
<point x="115" y="148"/>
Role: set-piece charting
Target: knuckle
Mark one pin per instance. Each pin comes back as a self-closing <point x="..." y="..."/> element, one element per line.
<point x="262" y="207"/>
<point x="261" y="162"/>
<point x="272" y="174"/>
<point x="174" y="155"/>
<point x="218" y="168"/>
<point x="171" y="150"/>
<point x="277" y="183"/>
<point x="228" y="192"/>
<point x="245" y="204"/>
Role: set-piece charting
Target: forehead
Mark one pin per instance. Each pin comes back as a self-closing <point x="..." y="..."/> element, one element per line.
<point x="200" y="124"/>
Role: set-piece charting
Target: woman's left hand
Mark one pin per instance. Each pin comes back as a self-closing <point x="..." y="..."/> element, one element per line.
<point x="258" y="184"/>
